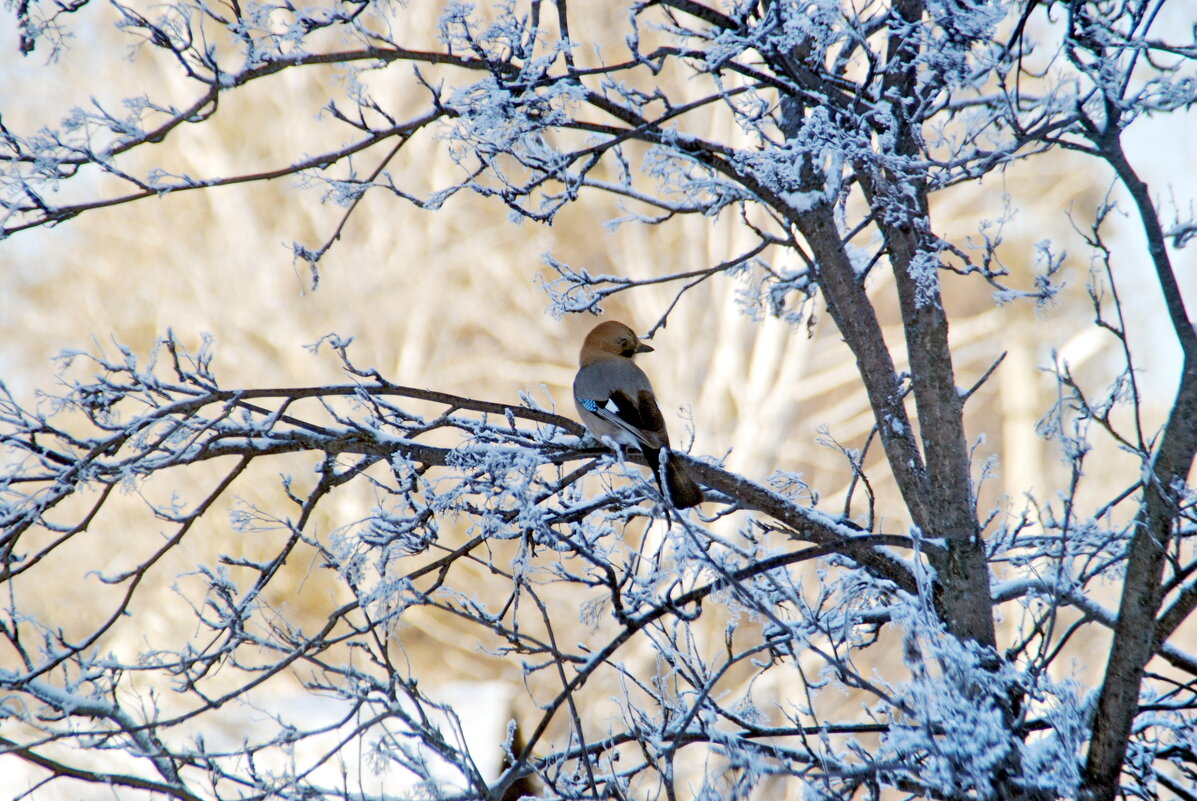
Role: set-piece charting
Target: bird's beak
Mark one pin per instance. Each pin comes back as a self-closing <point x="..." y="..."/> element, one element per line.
<point x="642" y="348"/>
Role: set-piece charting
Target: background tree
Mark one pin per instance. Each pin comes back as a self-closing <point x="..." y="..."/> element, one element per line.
<point x="812" y="148"/>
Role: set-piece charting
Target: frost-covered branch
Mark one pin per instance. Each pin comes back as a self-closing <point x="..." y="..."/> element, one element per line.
<point x="832" y="143"/>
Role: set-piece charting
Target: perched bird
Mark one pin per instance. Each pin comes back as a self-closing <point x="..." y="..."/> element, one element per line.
<point x="617" y="405"/>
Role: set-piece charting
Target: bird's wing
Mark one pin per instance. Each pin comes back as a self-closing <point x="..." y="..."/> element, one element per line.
<point x="618" y="392"/>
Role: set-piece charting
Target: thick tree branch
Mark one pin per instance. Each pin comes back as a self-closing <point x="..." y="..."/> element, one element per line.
<point x="1135" y="635"/>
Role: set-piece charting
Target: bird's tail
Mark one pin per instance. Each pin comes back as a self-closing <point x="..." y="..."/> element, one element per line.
<point x="679" y="487"/>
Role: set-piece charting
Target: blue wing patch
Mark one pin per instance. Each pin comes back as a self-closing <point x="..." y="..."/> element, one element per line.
<point x="589" y="405"/>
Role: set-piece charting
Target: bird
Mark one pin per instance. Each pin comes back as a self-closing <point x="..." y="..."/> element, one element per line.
<point x="616" y="403"/>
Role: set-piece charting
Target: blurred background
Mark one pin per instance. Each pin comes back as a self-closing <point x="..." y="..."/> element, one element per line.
<point x="450" y="300"/>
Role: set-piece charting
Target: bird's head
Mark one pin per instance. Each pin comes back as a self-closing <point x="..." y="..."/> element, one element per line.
<point x="611" y="338"/>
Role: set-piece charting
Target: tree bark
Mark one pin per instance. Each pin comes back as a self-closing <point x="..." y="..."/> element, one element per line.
<point x="1135" y="633"/>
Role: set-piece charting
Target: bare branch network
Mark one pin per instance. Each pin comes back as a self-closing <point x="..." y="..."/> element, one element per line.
<point x="647" y="653"/>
